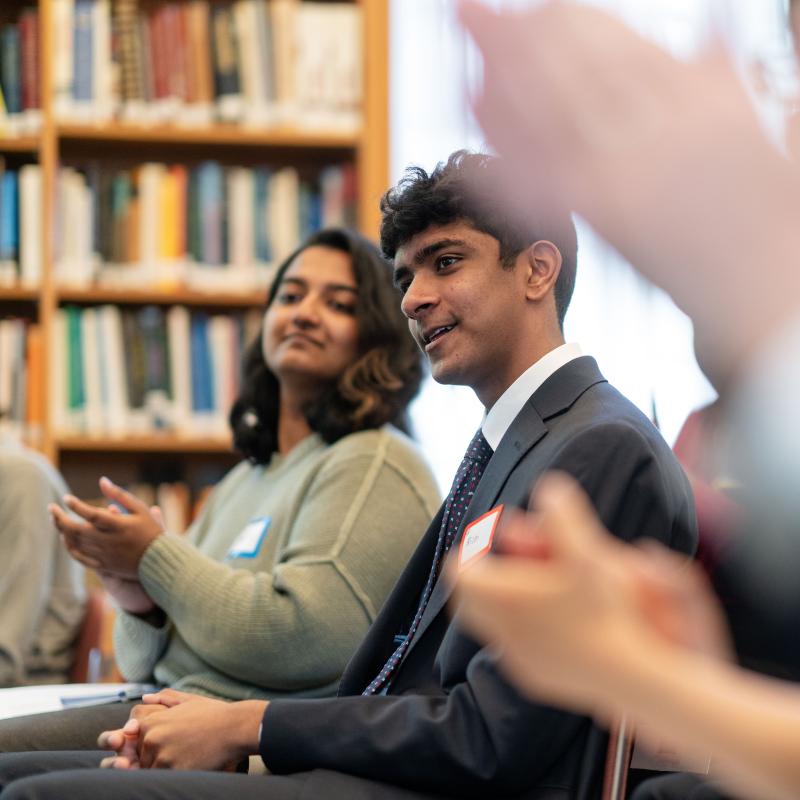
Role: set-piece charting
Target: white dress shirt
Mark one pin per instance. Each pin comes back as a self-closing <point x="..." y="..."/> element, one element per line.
<point x="500" y="416"/>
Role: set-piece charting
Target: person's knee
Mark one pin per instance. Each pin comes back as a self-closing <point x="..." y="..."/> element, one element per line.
<point x="34" y="787"/>
<point x="15" y="766"/>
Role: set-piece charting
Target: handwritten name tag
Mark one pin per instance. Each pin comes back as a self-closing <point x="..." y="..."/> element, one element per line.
<point x="478" y="537"/>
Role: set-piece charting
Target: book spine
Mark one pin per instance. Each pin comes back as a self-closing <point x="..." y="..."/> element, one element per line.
<point x="83" y="52"/>
<point x="11" y="68"/>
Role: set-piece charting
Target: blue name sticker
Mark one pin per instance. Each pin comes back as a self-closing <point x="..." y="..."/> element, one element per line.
<point x="248" y="542"/>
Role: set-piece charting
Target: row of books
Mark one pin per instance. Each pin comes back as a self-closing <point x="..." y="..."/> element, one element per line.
<point x="122" y="372"/>
<point x="20" y="225"/>
<point x="209" y="227"/>
<point x="259" y="62"/>
<point x="21" y="410"/>
<point x="20" y="101"/>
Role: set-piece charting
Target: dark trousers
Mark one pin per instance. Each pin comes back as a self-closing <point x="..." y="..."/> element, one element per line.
<point x="72" y="729"/>
<point x="60" y="775"/>
<point x="677" y="786"/>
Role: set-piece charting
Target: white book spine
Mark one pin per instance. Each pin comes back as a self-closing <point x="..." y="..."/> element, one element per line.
<point x="241" y="208"/>
<point x="218" y="346"/>
<point x="150" y="178"/>
<point x="30" y="224"/>
<point x="63" y="15"/>
<point x="283" y="212"/>
<point x="180" y="366"/>
<point x="102" y="66"/>
<point x="114" y="370"/>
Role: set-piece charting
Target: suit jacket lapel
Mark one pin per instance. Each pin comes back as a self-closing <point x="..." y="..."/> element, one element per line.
<point x="556" y="394"/>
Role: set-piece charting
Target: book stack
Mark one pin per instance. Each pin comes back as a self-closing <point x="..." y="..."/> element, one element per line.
<point x="123" y="372"/>
<point x="257" y="62"/>
<point x="20" y="225"/>
<point x="21" y="402"/>
<point x="207" y="227"/>
<point x="20" y="101"/>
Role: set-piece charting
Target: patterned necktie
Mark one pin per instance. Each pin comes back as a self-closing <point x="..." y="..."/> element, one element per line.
<point x="469" y="473"/>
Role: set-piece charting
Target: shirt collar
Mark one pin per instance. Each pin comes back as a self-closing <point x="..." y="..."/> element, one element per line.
<point x="500" y="416"/>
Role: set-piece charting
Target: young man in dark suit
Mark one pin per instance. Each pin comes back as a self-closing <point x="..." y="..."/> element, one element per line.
<point x="422" y="709"/>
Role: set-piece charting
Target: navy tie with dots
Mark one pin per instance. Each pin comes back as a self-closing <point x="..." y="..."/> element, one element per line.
<point x="469" y="474"/>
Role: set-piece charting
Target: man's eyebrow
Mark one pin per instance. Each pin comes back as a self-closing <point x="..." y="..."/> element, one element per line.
<point x="424" y="253"/>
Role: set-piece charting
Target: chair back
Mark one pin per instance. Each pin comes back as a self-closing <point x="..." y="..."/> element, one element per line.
<point x="86" y="665"/>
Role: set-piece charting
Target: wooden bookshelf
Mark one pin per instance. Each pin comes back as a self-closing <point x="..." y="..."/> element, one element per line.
<point x="11" y="294"/>
<point x="183" y="297"/>
<point x="58" y="141"/>
<point x="209" y="136"/>
<point x="19" y="144"/>
<point x="152" y="443"/>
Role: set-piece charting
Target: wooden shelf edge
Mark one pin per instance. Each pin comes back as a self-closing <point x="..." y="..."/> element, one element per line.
<point x="168" y="443"/>
<point x="224" y="135"/>
<point x="184" y="297"/>
<point x="19" y="144"/>
<point x="19" y="293"/>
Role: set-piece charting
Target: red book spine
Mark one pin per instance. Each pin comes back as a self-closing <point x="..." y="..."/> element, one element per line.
<point x="29" y="45"/>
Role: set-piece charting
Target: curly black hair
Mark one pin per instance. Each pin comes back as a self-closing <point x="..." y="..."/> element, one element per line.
<point x="375" y="389"/>
<point x="469" y="187"/>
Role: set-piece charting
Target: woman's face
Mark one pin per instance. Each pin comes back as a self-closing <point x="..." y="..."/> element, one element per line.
<point x="310" y="333"/>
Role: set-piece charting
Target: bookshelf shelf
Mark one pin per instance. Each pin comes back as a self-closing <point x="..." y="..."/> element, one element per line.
<point x="18" y="293"/>
<point x="166" y="443"/>
<point x="184" y="297"/>
<point x="211" y="136"/>
<point x="19" y="144"/>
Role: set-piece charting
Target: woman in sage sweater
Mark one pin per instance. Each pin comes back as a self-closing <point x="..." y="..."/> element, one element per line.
<point x="287" y="565"/>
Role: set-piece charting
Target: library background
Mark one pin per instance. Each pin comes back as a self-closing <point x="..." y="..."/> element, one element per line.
<point x="158" y="157"/>
<point x="156" y="160"/>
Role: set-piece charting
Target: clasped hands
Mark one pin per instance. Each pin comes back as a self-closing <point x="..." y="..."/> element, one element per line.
<point x="177" y="730"/>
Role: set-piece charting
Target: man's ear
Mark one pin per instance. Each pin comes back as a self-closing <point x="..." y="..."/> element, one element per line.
<point x="543" y="262"/>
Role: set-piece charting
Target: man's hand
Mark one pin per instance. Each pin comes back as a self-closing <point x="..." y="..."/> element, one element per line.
<point x="176" y="730"/>
<point x="109" y="541"/>
<point x="125" y="740"/>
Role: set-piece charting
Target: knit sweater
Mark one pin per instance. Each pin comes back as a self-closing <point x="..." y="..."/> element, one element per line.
<point x="280" y="611"/>
<point x="41" y="589"/>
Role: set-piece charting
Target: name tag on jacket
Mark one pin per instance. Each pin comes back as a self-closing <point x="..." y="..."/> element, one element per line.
<point x="478" y="537"/>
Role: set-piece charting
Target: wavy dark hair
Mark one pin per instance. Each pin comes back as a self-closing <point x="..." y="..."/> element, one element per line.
<point x="470" y="187"/>
<point x="375" y="389"/>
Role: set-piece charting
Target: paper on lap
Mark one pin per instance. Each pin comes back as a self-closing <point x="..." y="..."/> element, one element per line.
<point x="23" y="700"/>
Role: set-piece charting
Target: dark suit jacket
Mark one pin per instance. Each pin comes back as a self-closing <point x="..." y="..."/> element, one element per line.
<point x="449" y="724"/>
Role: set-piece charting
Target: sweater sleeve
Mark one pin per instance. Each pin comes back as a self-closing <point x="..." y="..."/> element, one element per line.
<point x="138" y="645"/>
<point x="297" y="626"/>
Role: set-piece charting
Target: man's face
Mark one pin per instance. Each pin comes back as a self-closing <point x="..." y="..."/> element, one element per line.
<point x="464" y="309"/>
